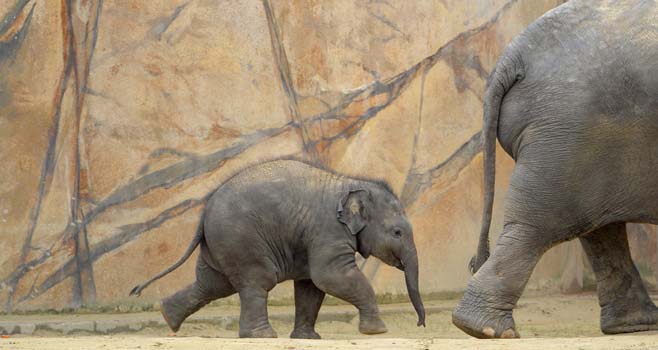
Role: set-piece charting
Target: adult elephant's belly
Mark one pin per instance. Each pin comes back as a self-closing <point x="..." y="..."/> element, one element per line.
<point x="591" y="132"/>
<point x="625" y="167"/>
<point x="608" y="162"/>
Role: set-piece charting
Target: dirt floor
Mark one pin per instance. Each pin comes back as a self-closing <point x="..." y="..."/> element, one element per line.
<point x="557" y="322"/>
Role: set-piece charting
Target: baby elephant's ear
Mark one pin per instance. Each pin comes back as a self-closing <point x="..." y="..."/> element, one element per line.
<point x="352" y="211"/>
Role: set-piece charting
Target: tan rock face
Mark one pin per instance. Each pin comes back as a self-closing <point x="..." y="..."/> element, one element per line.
<point x="118" y="117"/>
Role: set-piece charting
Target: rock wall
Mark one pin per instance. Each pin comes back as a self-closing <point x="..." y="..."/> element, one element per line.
<point x="117" y="117"/>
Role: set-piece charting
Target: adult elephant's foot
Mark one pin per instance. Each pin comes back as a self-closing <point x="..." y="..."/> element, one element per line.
<point x="622" y="318"/>
<point x="478" y="318"/>
<point x="261" y="332"/>
<point x="171" y="314"/>
<point x="371" y="324"/>
<point x="304" y="333"/>
<point x="176" y="308"/>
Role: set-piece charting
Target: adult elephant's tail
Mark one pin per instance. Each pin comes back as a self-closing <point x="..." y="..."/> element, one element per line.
<point x="190" y="249"/>
<point x="508" y="71"/>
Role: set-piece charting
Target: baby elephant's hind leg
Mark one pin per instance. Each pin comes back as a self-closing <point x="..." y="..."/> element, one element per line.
<point x="210" y="284"/>
<point x="625" y="305"/>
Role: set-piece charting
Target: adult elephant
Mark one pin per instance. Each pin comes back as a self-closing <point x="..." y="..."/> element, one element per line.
<point x="574" y="100"/>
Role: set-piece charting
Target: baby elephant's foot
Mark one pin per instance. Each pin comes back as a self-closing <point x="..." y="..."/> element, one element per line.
<point x="304" y="333"/>
<point x="372" y="325"/>
<point x="479" y="320"/>
<point x="263" y="332"/>
<point x="622" y="319"/>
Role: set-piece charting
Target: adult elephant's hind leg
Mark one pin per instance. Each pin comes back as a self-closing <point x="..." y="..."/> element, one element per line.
<point x="625" y="304"/>
<point x="308" y="299"/>
<point x="485" y="310"/>
<point x="210" y="285"/>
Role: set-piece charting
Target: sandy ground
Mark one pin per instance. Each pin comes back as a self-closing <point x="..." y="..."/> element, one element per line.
<point x="194" y="343"/>
<point x="559" y="322"/>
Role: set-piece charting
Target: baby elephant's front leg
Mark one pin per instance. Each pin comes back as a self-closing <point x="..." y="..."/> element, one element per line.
<point x="308" y="299"/>
<point x="254" y="322"/>
<point x="347" y="282"/>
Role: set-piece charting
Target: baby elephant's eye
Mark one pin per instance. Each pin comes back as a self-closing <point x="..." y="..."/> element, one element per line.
<point x="397" y="232"/>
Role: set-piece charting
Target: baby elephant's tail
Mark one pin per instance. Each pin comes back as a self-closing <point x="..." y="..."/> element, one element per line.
<point x="190" y="249"/>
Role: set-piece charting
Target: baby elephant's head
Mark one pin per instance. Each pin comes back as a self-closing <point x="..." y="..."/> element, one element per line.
<point x="374" y="214"/>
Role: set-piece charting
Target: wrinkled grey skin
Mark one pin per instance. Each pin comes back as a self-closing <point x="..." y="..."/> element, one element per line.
<point x="286" y="220"/>
<point x="574" y="100"/>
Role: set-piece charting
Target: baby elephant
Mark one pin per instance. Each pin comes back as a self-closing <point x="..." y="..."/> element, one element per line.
<point x="284" y="220"/>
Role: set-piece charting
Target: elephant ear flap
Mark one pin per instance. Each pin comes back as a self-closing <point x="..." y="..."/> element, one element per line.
<point x="351" y="211"/>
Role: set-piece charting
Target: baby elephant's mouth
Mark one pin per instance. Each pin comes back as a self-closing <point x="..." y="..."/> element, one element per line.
<point x="398" y="263"/>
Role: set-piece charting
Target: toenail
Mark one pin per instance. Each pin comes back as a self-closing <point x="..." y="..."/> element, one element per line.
<point x="508" y="334"/>
<point x="488" y="332"/>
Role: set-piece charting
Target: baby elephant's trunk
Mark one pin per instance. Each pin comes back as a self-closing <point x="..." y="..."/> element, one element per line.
<point x="410" y="262"/>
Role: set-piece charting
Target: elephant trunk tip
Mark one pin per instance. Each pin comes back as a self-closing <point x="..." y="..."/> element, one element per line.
<point x="411" y="279"/>
<point x="420" y="309"/>
<point x="421" y="320"/>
